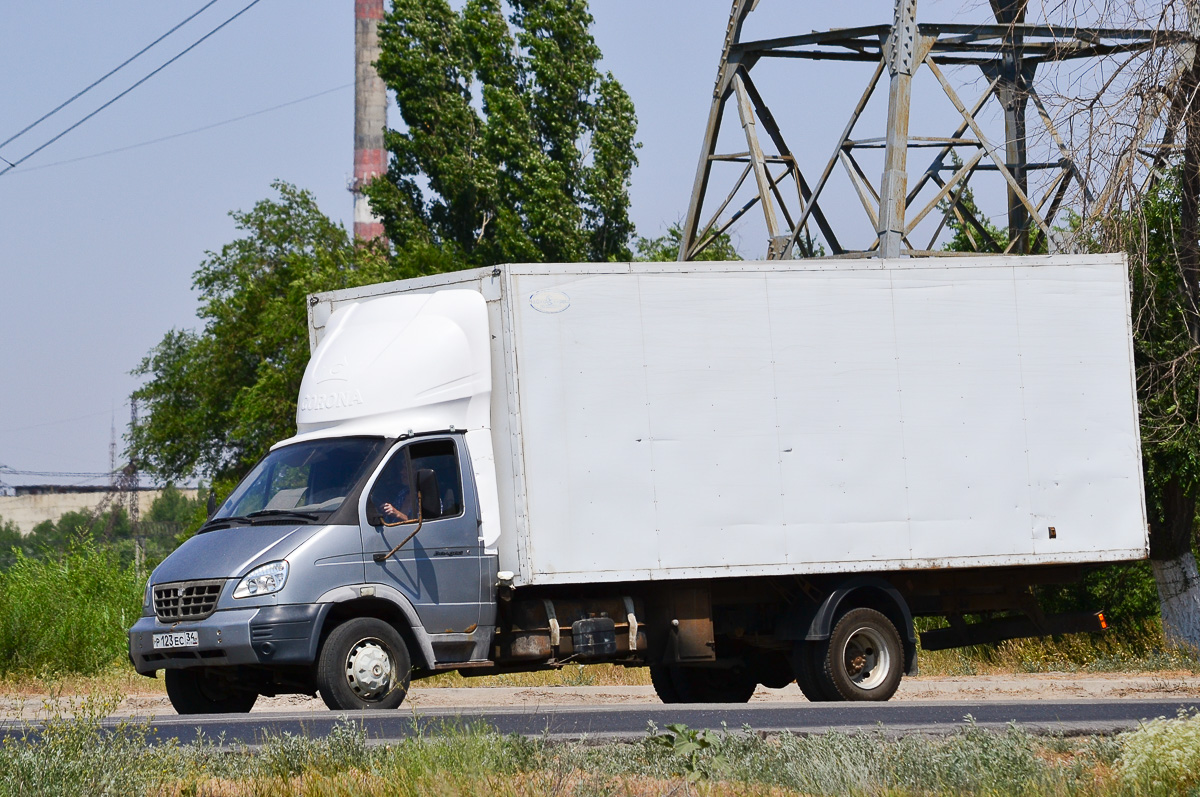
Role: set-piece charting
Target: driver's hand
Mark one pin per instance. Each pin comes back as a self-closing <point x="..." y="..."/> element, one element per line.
<point x="388" y="509"/>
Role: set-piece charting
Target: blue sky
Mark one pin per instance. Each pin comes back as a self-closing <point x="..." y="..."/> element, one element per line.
<point x="97" y="253"/>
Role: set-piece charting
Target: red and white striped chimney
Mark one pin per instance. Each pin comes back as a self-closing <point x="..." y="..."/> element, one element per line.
<point x="370" y="115"/>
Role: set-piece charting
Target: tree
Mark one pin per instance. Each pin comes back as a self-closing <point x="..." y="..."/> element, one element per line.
<point x="217" y="398"/>
<point x="11" y="541"/>
<point x="1166" y="316"/>
<point x="666" y="247"/>
<point x="972" y="231"/>
<point x="516" y="147"/>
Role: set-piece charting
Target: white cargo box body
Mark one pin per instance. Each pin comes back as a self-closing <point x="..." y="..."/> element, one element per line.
<point x="665" y="421"/>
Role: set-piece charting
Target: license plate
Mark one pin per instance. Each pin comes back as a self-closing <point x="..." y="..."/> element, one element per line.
<point x="177" y="639"/>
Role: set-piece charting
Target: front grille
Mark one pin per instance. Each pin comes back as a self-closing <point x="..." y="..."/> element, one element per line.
<point x="186" y="600"/>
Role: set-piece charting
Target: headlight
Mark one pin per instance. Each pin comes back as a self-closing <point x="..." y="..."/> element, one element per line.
<point x="263" y="580"/>
<point x="146" y="597"/>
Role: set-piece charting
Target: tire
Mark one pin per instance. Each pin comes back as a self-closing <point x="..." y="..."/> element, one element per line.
<point x="678" y="684"/>
<point x="202" y="690"/>
<point x="664" y="684"/>
<point x="773" y="671"/>
<point x="363" y="664"/>
<point x="808" y="676"/>
<point x="863" y="658"/>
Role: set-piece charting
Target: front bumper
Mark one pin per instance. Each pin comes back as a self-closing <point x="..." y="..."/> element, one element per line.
<point x="284" y="635"/>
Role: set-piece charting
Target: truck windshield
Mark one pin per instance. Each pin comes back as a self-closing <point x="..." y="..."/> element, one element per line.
<point x="303" y="479"/>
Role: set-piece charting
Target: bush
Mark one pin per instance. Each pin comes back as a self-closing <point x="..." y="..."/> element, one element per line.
<point x="1162" y="756"/>
<point x="67" y="615"/>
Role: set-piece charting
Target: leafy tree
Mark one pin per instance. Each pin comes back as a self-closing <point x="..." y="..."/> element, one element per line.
<point x="967" y="237"/>
<point x="50" y="539"/>
<point x="217" y="398"/>
<point x="983" y="235"/>
<point x="1166" y="320"/>
<point x="666" y="247"/>
<point x="11" y="541"/>
<point x="516" y="147"/>
<point x="173" y="516"/>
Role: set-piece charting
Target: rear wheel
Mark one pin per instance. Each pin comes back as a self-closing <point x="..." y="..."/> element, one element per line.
<point x="363" y="664"/>
<point x="664" y="684"/>
<point x="773" y="670"/>
<point x="808" y="675"/>
<point x="863" y="658"/>
<point x="205" y="690"/>
<point x="674" y="683"/>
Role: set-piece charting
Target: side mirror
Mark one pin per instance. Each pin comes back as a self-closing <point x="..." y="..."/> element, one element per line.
<point x="212" y="502"/>
<point x="374" y="516"/>
<point x="431" y="498"/>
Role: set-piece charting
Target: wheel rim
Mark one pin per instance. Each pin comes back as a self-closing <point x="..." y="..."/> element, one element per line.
<point x="369" y="669"/>
<point x="866" y="658"/>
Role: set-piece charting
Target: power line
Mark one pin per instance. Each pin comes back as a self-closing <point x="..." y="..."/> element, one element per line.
<point x="105" y="77"/>
<point x="186" y="132"/>
<point x="51" y="423"/>
<point x="184" y="52"/>
<point x="6" y="470"/>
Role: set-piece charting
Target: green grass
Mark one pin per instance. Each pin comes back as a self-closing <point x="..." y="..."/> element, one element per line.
<point x="77" y="757"/>
<point x="67" y="615"/>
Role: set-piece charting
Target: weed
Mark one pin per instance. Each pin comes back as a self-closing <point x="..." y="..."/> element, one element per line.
<point x="696" y="752"/>
<point x="1162" y="756"/>
<point x="287" y="755"/>
<point x="78" y="756"/>
<point x="68" y="615"/>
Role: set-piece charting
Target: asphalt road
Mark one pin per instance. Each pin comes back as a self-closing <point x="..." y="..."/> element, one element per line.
<point x="623" y="722"/>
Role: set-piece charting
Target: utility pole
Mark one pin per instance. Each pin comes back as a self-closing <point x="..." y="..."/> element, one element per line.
<point x="129" y="482"/>
<point x="370" y="116"/>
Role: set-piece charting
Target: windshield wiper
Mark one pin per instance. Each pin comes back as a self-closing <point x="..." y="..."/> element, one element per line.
<point x="224" y="523"/>
<point x="284" y="513"/>
<point x="248" y="519"/>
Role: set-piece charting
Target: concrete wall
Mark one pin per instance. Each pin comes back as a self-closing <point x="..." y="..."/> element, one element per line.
<point x="29" y="510"/>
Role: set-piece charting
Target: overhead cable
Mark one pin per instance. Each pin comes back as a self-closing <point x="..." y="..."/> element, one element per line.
<point x="186" y="132"/>
<point x="13" y="472"/>
<point x="104" y="77"/>
<point x="175" y="58"/>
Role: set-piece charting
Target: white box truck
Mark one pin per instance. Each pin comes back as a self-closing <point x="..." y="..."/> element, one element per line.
<point x="734" y="473"/>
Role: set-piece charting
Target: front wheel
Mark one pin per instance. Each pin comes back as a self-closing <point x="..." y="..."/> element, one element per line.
<point x="204" y="690"/>
<point x="363" y="664"/>
<point x="863" y="658"/>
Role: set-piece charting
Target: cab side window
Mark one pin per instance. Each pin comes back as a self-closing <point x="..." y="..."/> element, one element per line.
<point x="393" y="494"/>
<point x="441" y="457"/>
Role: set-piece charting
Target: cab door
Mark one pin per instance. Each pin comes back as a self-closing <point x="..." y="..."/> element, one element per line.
<point x="439" y="568"/>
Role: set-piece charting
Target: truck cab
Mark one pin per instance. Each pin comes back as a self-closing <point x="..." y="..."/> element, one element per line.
<point x="314" y="535"/>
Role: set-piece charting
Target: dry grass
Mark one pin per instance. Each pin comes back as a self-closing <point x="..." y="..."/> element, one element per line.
<point x="122" y="679"/>
<point x="119" y="678"/>
<point x="571" y="675"/>
<point x="521" y="784"/>
<point x="1135" y="648"/>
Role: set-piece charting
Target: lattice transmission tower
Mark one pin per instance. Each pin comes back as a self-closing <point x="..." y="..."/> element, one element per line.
<point x="752" y="169"/>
